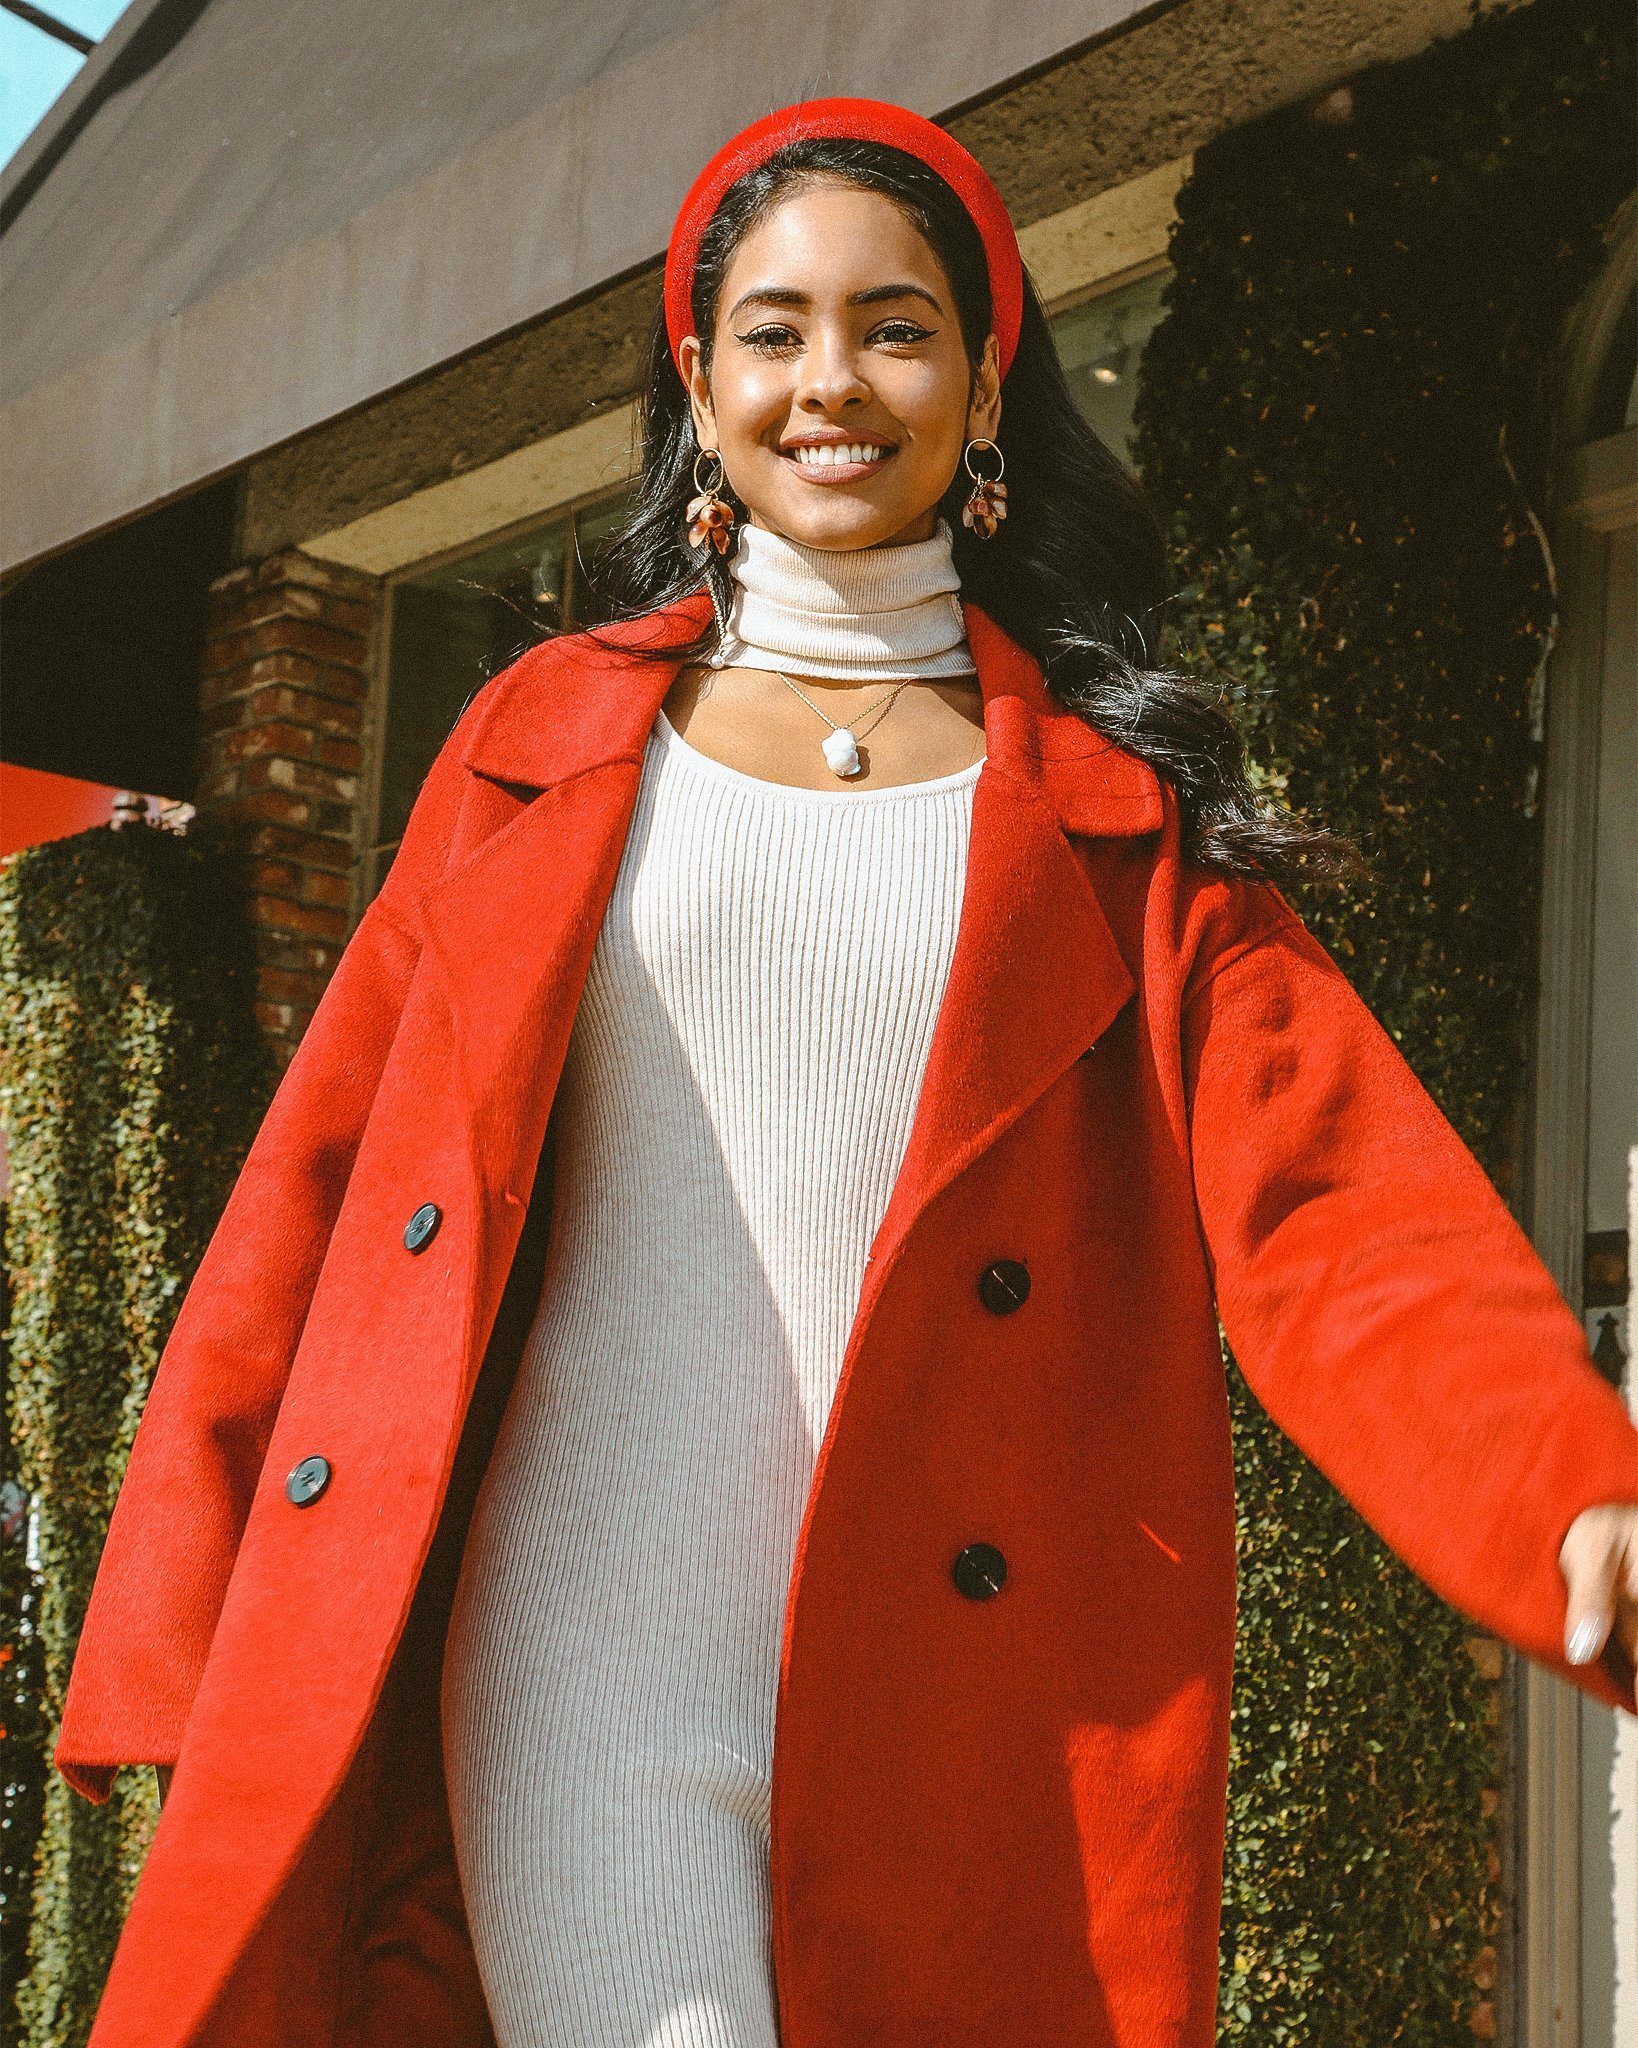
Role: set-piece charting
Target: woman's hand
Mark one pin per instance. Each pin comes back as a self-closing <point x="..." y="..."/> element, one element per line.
<point x="1599" y="1560"/>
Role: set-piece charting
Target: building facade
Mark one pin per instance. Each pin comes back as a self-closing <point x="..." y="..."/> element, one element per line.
<point x="350" y="403"/>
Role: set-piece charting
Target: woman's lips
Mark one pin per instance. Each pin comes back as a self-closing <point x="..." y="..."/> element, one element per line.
<point x="835" y="472"/>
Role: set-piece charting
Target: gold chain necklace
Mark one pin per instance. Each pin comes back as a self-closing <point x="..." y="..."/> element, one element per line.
<point x="841" y="749"/>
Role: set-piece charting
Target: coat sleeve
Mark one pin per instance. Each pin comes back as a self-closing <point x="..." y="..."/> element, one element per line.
<point x="1381" y="1300"/>
<point x="200" y="1444"/>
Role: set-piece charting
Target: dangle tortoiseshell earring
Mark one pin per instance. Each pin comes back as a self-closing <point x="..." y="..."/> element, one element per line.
<point x="987" y="506"/>
<point x="710" y="515"/>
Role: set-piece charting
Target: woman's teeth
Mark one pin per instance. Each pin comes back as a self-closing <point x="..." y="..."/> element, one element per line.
<point x="834" y="452"/>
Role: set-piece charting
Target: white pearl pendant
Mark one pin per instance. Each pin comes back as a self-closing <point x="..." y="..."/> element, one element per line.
<point x="841" y="752"/>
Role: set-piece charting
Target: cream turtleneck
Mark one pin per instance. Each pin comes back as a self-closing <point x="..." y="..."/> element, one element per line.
<point x="848" y="614"/>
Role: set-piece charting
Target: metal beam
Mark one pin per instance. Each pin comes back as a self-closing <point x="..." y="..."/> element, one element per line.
<point x="48" y="24"/>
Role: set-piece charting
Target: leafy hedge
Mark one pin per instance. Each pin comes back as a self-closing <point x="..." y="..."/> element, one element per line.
<point x="132" y="1078"/>
<point x="1345" y="415"/>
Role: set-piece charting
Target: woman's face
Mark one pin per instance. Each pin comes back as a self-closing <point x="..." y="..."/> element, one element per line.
<point x="836" y="330"/>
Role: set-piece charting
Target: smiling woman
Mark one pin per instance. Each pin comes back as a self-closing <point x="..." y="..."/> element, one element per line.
<point x="840" y="399"/>
<point x="840" y="403"/>
<point x="742" y="1244"/>
<point x="828" y="290"/>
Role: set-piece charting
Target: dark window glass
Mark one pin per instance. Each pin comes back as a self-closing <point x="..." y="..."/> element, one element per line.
<point x="453" y="628"/>
<point x="1100" y="343"/>
<point x="591" y="530"/>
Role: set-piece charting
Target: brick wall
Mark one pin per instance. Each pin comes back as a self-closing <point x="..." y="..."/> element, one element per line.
<point x="286" y="681"/>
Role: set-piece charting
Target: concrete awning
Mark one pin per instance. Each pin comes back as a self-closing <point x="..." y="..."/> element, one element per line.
<point x="248" y="216"/>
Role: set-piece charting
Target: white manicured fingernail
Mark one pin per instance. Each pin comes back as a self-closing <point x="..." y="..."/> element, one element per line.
<point x="1585" y="1638"/>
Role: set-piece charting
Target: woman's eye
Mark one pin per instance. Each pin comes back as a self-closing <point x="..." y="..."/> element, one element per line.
<point x="900" y="331"/>
<point x="769" y="339"/>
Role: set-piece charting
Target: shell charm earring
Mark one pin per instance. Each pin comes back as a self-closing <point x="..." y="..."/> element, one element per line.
<point x="710" y="516"/>
<point x="987" y="506"/>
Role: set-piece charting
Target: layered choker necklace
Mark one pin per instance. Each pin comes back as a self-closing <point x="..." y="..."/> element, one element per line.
<point x="846" y="615"/>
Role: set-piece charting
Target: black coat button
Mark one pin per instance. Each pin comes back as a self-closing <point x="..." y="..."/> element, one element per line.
<point x="1003" y="1286"/>
<point x="307" y="1481"/>
<point x="980" y="1571"/>
<point x="422" y="1226"/>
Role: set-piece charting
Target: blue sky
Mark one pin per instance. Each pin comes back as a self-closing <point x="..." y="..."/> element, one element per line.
<point x="34" y="66"/>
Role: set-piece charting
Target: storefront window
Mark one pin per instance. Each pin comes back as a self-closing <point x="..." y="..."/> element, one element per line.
<point x="453" y="627"/>
<point x="1100" y="343"/>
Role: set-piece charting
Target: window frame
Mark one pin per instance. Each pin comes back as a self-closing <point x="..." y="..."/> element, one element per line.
<point x="373" y="852"/>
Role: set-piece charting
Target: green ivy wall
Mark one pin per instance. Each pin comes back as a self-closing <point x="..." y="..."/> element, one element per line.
<point x="1345" y="416"/>
<point x="132" y="1077"/>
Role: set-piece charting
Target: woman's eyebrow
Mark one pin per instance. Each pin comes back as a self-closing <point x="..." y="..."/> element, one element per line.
<point x="789" y="295"/>
<point x="768" y="295"/>
<point x="874" y="294"/>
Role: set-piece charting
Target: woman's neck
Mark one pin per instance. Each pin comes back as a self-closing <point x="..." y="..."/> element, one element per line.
<point x="849" y="614"/>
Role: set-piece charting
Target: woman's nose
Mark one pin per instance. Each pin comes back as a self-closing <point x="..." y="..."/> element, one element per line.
<point x="831" y="375"/>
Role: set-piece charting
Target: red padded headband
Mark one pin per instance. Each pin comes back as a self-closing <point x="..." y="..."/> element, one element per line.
<point x="864" y="121"/>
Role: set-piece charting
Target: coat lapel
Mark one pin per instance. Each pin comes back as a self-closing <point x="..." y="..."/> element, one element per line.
<point x="513" y="923"/>
<point x="1035" y="977"/>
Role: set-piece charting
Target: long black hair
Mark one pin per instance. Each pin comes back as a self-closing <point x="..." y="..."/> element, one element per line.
<point x="1075" y="573"/>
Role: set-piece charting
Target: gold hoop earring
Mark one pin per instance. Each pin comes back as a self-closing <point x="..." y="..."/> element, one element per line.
<point x="710" y="516"/>
<point x="987" y="506"/>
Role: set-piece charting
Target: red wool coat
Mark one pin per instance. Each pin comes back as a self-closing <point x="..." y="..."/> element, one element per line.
<point x="997" y="1821"/>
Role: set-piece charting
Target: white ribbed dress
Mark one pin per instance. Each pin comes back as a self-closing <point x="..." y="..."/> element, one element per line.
<point x="737" y="1096"/>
